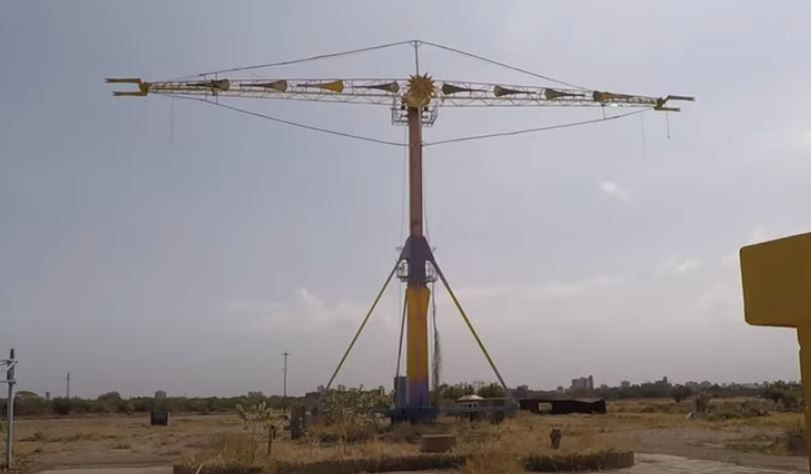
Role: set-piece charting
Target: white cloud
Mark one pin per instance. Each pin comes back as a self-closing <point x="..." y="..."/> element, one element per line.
<point x="758" y="234"/>
<point x="805" y="138"/>
<point x="252" y="306"/>
<point x="614" y="190"/>
<point x="719" y="300"/>
<point x="303" y="310"/>
<point x="309" y="299"/>
<point x="673" y="265"/>
<point x="542" y="290"/>
<point x="560" y="289"/>
<point x="578" y="287"/>
<point x="730" y="260"/>
<point x="484" y="292"/>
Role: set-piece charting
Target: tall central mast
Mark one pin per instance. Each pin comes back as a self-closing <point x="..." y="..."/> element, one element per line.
<point x="415" y="171"/>
<point x="417" y="253"/>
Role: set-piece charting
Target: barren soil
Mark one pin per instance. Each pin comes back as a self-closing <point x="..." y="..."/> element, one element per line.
<point x="665" y="443"/>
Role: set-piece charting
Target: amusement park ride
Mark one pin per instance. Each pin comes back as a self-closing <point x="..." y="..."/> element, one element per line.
<point x="414" y="102"/>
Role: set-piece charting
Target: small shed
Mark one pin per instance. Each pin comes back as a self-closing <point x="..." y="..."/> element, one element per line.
<point x="469" y="401"/>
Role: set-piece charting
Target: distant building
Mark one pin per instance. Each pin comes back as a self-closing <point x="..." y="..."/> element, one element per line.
<point x="582" y="383"/>
<point x="160" y="395"/>
<point x="521" y="391"/>
<point x="625" y="384"/>
<point x="47" y="396"/>
<point x="400" y="391"/>
<point x="664" y="382"/>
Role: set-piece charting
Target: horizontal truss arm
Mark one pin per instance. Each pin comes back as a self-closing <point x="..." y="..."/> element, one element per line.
<point x="392" y="92"/>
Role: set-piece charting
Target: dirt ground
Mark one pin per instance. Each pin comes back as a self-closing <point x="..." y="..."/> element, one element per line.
<point x="115" y="470"/>
<point x="646" y="464"/>
<point x="115" y="440"/>
<point x="664" y="442"/>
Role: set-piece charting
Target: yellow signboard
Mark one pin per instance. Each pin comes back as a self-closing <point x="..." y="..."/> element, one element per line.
<point x="777" y="292"/>
<point x="777" y="282"/>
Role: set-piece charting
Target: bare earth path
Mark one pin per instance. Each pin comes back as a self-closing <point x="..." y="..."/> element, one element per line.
<point x="128" y="445"/>
<point x="115" y="470"/>
<point x="646" y="464"/>
<point x="706" y="446"/>
<point x="667" y="464"/>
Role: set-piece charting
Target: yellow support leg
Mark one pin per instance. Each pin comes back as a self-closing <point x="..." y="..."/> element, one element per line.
<point x="357" y="334"/>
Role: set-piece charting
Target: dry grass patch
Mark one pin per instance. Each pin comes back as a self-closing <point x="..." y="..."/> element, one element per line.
<point x="788" y="441"/>
<point x="494" y="457"/>
<point x="482" y="447"/>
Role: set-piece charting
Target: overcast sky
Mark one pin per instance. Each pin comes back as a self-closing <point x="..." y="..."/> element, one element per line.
<point x="146" y="244"/>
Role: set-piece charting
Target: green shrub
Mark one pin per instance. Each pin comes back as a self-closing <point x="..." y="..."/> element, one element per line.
<point x="679" y="393"/>
<point x="794" y="439"/>
<point x="342" y="405"/>
<point x="62" y="406"/>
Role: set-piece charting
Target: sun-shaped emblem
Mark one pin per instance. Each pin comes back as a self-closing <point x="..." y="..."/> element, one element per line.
<point x="420" y="91"/>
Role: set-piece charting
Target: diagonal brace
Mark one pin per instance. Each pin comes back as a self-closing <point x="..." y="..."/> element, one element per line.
<point x="473" y="332"/>
<point x="360" y="329"/>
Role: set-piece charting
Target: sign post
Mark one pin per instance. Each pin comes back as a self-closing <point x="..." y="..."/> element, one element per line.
<point x="776" y="278"/>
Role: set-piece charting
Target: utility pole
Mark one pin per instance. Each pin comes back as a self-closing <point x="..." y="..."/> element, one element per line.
<point x="284" y="393"/>
<point x="10" y="380"/>
<point x="67" y="386"/>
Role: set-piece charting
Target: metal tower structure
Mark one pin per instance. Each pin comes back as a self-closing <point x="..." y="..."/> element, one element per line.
<point x="9" y="367"/>
<point x="414" y="102"/>
<point x="284" y="390"/>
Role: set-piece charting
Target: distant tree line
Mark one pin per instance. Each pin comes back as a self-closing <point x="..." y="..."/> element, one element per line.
<point x="788" y="394"/>
<point x="31" y="404"/>
<point x="456" y="391"/>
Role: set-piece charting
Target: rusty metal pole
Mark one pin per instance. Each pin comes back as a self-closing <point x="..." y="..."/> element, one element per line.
<point x="10" y="410"/>
<point x="415" y="171"/>
<point x="284" y="390"/>
<point x="417" y="291"/>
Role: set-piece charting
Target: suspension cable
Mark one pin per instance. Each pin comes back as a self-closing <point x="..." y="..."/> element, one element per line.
<point x="402" y="332"/>
<point x="398" y="144"/>
<point x="291" y="123"/>
<point x="504" y="65"/>
<point x="437" y="359"/>
<point x="405" y="188"/>
<point x="303" y="60"/>
<point x="425" y="205"/>
<point x="532" y="130"/>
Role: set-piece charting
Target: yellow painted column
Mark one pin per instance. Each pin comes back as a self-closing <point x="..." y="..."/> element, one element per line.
<point x="417" y="354"/>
